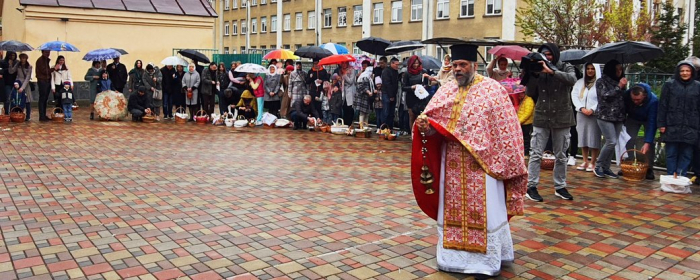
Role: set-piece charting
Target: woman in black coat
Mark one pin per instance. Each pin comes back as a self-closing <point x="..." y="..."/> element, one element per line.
<point x="679" y="118"/>
<point x="611" y="114"/>
<point x="178" y="94"/>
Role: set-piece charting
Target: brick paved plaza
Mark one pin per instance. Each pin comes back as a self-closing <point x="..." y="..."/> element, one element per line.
<point x="123" y="200"/>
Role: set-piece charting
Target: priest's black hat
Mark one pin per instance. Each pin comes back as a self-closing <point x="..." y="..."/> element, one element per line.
<point x="464" y="52"/>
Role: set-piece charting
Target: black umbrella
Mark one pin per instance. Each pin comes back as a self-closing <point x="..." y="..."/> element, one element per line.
<point x="313" y="52"/>
<point x="403" y="46"/>
<point x="624" y="52"/>
<point x="573" y="56"/>
<point x="195" y="55"/>
<point x="121" y="51"/>
<point x="373" y="45"/>
<point x="429" y="62"/>
<point x="15" y="46"/>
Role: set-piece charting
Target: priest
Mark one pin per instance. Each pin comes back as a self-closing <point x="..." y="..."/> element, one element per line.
<point x="468" y="170"/>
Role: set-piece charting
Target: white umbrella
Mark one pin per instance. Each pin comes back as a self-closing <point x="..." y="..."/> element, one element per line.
<point x="174" y="60"/>
<point x="250" y="68"/>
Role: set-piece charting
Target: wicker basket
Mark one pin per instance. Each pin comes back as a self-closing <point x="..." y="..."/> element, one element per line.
<point x="4" y="118"/>
<point x="179" y="119"/>
<point x="547" y="163"/>
<point x="17" y="115"/>
<point x="632" y="169"/>
<point x="58" y="116"/>
<point x="149" y="118"/>
<point x="201" y="117"/>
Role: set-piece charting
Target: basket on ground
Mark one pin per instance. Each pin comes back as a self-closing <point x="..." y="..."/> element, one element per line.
<point x="201" y="117"/>
<point x="634" y="167"/>
<point x="17" y="115"/>
<point x="149" y="118"/>
<point x="181" y="115"/>
<point x="58" y="116"/>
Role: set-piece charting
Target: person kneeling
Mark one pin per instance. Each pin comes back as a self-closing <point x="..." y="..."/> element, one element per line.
<point x="139" y="104"/>
<point x="303" y="111"/>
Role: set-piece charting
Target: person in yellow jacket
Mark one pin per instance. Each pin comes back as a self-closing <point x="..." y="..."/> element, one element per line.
<point x="526" y="115"/>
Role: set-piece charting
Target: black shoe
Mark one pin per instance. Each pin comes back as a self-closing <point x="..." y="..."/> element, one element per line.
<point x="134" y="119"/>
<point x="44" y="119"/>
<point x="564" y="194"/>
<point x="598" y="172"/>
<point x="92" y="116"/>
<point x="650" y="176"/>
<point x="619" y="173"/>
<point x="533" y="195"/>
<point x="608" y="173"/>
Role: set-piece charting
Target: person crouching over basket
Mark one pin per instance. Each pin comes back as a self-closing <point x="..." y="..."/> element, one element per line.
<point x="139" y="104"/>
<point x="303" y="112"/>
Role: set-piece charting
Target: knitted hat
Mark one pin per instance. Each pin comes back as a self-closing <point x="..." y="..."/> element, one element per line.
<point x="66" y="83"/>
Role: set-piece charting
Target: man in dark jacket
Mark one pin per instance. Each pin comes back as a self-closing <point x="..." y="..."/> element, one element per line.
<point x="169" y="89"/>
<point x="118" y="75"/>
<point x="43" y="77"/>
<point x="390" y="87"/>
<point x="553" y="117"/>
<point x="641" y="106"/>
<point x="314" y="82"/>
<point x="303" y="111"/>
<point x="377" y="72"/>
<point x="139" y="104"/>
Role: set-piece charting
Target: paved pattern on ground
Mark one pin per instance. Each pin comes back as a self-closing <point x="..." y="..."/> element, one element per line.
<point x="106" y="200"/>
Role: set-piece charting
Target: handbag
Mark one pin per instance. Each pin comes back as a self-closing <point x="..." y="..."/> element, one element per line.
<point x="190" y="94"/>
<point x="158" y="94"/>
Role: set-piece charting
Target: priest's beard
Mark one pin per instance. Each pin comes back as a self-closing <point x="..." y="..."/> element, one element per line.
<point x="464" y="78"/>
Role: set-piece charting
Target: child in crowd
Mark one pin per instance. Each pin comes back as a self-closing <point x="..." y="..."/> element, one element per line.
<point x="17" y="98"/>
<point x="67" y="101"/>
<point x="325" y="104"/>
<point x="336" y="100"/>
<point x="378" y="101"/>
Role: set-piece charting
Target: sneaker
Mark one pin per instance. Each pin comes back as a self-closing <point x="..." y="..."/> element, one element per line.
<point x="598" y="172"/>
<point x="571" y="162"/>
<point x="258" y="123"/>
<point x="533" y="195"/>
<point x="608" y="173"/>
<point x="564" y="194"/>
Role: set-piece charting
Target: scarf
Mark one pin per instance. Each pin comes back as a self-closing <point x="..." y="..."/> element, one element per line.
<point x="272" y="72"/>
<point x="411" y="61"/>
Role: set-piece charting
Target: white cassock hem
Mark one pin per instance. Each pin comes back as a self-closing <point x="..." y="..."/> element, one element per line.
<point x="499" y="247"/>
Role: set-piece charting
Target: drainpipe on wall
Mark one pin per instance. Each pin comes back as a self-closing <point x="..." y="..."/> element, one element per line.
<point x="248" y="24"/>
<point x="220" y="18"/>
<point x="319" y="22"/>
<point x="367" y="20"/>
<point x="279" y="23"/>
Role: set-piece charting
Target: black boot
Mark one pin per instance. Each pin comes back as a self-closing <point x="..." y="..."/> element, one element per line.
<point x="134" y="118"/>
<point x="92" y="116"/>
<point x="296" y="125"/>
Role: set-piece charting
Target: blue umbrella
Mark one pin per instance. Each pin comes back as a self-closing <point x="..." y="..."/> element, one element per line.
<point x="335" y="48"/>
<point x="101" y="54"/>
<point x="58" y="46"/>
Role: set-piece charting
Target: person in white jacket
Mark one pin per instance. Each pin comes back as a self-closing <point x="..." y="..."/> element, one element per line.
<point x="58" y="77"/>
<point x="585" y="100"/>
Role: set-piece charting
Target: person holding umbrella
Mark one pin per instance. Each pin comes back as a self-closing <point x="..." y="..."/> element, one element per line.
<point x="190" y="83"/>
<point x="43" y="77"/>
<point x="118" y="75"/>
<point x="611" y="114"/>
<point x="93" y="76"/>
<point x="314" y="83"/>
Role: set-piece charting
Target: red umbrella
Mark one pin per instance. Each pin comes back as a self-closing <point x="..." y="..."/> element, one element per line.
<point x="336" y="59"/>
<point x="510" y="51"/>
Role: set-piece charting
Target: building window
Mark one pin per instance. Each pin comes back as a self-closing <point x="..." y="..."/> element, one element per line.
<point x="355" y="49"/>
<point x="287" y="22"/>
<point x="226" y="51"/>
<point x="253" y="2"/>
<point x="416" y="10"/>
<point x="235" y="28"/>
<point x="440" y="53"/>
<point x="286" y="47"/>
<point x="396" y="11"/>
<point x="244" y="3"/>
<point x="226" y="29"/>
<point x="443" y="9"/>
<point x="234" y="4"/>
<point x="342" y="16"/>
<point x="493" y="7"/>
<point x="263" y="47"/>
<point x="297" y="46"/>
<point x="312" y="19"/>
<point x="227" y="5"/>
<point x="263" y="24"/>
<point x="242" y="47"/>
<point x="273" y="1"/>
<point x="327" y="18"/>
<point x="244" y="27"/>
<point x="299" y="21"/>
<point x="357" y="15"/>
<point x="273" y="23"/>
<point x="263" y="2"/>
<point x="466" y="8"/>
<point x="254" y="26"/>
<point x="489" y="57"/>
<point x="378" y="13"/>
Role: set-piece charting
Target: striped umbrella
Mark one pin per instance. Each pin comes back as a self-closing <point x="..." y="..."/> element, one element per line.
<point x="335" y="48"/>
<point x="280" y="55"/>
